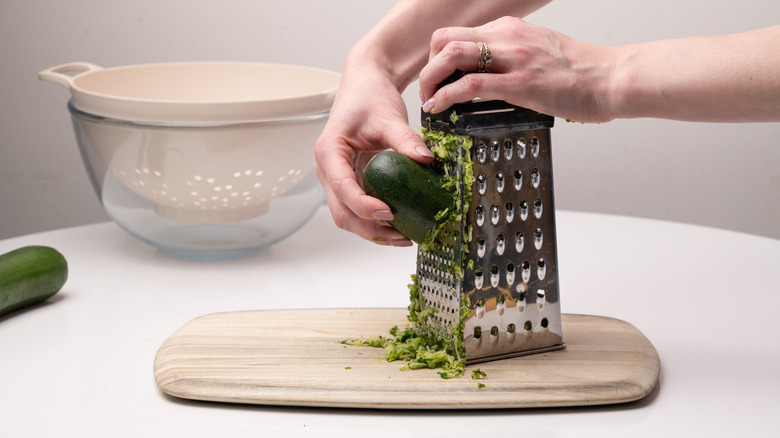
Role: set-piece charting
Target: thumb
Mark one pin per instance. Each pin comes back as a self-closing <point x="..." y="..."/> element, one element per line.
<point x="405" y="140"/>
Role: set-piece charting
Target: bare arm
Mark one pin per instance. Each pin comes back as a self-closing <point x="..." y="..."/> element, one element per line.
<point x="731" y="78"/>
<point x="399" y="43"/>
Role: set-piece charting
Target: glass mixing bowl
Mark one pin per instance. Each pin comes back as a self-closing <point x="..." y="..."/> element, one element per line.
<point x="200" y="190"/>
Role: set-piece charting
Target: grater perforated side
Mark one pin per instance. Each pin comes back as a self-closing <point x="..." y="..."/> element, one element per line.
<point x="506" y="290"/>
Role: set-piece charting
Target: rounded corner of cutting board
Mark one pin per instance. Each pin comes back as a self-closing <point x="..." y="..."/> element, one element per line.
<point x="294" y="358"/>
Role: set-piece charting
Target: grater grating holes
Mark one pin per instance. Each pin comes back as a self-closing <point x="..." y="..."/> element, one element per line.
<point x="523" y="210"/>
<point x="535" y="178"/>
<point x="500" y="244"/>
<point x="541" y="269"/>
<point x="535" y="147"/>
<point x="481" y="248"/>
<point x="508" y="149"/>
<point x="518" y="180"/>
<point x="494" y="276"/>
<point x="481" y="184"/>
<point x="513" y="297"/>
<point x="526" y="272"/>
<point x="481" y="153"/>
<point x="538" y="208"/>
<point x="479" y="215"/>
<point x="495" y="151"/>
<point x="509" y="209"/>
<point x="540" y="298"/>
<point x="510" y="274"/>
<point x="521" y="148"/>
<point x="495" y="214"/>
<point x="500" y="182"/>
<point x="519" y="242"/>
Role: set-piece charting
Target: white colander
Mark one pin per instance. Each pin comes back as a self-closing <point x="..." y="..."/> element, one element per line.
<point x="204" y="174"/>
<point x="197" y="92"/>
<point x="180" y="151"/>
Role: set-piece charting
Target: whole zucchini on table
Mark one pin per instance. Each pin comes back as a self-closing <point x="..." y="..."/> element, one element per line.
<point x="30" y="275"/>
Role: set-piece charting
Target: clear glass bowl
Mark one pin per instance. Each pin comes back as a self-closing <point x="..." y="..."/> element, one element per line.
<point x="203" y="191"/>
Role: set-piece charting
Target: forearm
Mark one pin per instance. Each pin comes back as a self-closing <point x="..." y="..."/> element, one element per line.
<point x="399" y="44"/>
<point x="733" y="78"/>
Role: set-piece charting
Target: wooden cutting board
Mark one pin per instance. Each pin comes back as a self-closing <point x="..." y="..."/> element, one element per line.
<point x="294" y="358"/>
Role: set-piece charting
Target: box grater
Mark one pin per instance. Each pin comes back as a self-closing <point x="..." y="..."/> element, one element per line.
<point x="507" y="284"/>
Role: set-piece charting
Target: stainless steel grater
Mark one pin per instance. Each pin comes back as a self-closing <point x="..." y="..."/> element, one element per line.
<point x="508" y="258"/>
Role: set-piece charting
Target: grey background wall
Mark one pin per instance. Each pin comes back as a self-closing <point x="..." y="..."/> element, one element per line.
<point x="720" y="175"/>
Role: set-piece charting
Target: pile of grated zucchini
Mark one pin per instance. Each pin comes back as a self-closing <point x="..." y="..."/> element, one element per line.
<point x="424" y="345"/>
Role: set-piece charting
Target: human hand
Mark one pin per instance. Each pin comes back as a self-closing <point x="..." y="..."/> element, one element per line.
<point x="532" y="67"/>
<point x="368" y="116"/>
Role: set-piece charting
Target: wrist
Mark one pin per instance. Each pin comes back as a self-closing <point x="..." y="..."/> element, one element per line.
<point x="624" y="86"/>
<point x="397" y="66"/>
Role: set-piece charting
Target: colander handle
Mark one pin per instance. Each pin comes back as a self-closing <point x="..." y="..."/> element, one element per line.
<point x="64" y="74"/>
<point x="330" y="93"/>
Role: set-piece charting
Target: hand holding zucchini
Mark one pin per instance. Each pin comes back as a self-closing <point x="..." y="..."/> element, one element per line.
<point x="30" y="275"/>
<point x="413" y="192"/>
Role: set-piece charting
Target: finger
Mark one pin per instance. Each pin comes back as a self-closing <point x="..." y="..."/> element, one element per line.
<point x="408" y="142"/>
<point x="471" y="86"/>
<point x="339" y="177"/>
<point x="376" y="231"/>
<point x="456" y="55"/>
<point x="441" y="37"/>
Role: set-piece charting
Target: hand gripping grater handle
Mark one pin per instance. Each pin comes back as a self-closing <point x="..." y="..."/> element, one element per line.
<point x="508" y="260"/>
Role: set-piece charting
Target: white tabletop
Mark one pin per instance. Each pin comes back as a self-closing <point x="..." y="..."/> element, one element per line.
<point x="81" y="363"/>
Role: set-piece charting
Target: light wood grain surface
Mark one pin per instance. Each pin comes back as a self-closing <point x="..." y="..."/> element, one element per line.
<point x="294" y="358"/>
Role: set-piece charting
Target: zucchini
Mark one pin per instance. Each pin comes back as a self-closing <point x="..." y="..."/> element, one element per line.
<point x="414" y="193"/>
<point x="30" y="275"/>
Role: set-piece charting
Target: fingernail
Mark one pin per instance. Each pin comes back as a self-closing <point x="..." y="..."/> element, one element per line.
<point x="401" y="242"/>
<point x="424" y="152"/>
<point x="422" y="97"/>
<point x="428" y="105"/>
<point x="382" y="215"/>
